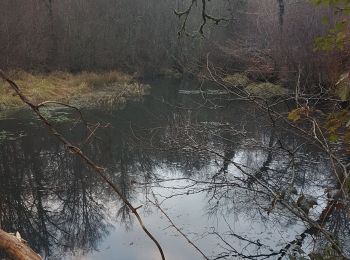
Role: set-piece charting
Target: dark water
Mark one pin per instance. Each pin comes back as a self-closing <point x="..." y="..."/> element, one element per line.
<point x="170" y="145"/>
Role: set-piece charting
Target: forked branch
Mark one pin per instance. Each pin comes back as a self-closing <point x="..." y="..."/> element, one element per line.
<point x="204" y="14"/>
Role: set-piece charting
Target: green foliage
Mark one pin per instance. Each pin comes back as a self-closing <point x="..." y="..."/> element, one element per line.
<point x="294" y="115"/>
<point x="343" y="92"/>
<point x="330" y="2"/>
<point x="297" y="113"/>
<point x="347" y="184"/>
<point x="338" y="126"/>
<point x="337" y="37"/>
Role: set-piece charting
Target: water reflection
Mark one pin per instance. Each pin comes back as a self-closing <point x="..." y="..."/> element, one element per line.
<point x="48" y="197"/>
<point x="189" y="158"/>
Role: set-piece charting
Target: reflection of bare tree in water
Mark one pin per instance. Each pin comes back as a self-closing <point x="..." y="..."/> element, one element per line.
<point x="278" y="170"/>
<point x="49" y="199"/>
<point x="123" y="163"/>
<point x="243" y="169"/>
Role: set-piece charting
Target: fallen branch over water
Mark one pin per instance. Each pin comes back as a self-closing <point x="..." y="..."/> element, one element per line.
<point x="75" y="150"/>
<point x="15" y="248"/>
<point x="156" y="204"/>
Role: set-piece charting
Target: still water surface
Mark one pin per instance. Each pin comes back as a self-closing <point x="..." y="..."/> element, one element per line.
<point x="168" y="145"/>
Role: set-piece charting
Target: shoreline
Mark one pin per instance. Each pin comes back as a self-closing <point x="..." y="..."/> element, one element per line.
<point x="82" y="89"/>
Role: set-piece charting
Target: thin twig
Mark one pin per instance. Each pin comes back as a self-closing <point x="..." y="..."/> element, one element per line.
<point x="155" y="203"/>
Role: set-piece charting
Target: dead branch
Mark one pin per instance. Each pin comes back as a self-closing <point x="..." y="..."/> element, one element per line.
<point x="155" y="203"/>
<point x="45" y="103"/>
<point x="75" y="150"/>
<point x="205" y="17"/>
<point x="15" y="248"/>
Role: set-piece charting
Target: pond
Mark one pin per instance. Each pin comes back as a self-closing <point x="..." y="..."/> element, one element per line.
<point x="204" y="159"/>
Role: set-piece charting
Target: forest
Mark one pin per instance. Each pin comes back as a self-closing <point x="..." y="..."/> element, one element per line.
<point x="174" y="129"/>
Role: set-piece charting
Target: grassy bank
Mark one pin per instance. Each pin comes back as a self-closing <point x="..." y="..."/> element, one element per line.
<point x="85" y="88"/>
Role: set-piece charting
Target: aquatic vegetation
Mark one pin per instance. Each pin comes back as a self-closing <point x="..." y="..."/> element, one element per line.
<point x="237" y="79"/>
<point x="169" y="73"/>
<point x="4" y="135"/>
<point x="54" y="115"/>
<point x="8" y="136"/>
<point x="266" y="90"/>
<point x="68" y="87"/>
<point x="112" y="96"/>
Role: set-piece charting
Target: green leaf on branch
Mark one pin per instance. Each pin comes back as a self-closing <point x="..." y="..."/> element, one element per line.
<point x="294" y="115"/>
<point x="333" y="137"/>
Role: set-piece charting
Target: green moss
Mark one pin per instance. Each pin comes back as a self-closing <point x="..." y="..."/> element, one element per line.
<point x="266" y="90"/>
<point x="237" y="79"/>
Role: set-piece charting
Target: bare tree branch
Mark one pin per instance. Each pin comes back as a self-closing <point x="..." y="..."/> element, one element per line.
<point x="204" y="14"/>
<point x="75" y="150"/>
<point x="155" y="203"/>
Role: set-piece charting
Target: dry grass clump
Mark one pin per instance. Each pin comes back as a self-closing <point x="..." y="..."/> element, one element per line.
<point x="62" y="86"/>
<point x="237" y="79"/>
<point x="111" y="99"/>
<point x="266" y="90"/>
<point x="105" y="79"/>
